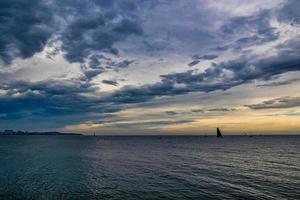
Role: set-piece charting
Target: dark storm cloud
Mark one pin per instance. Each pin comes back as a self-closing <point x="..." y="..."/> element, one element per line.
<point x="87" y="27"/>
<point x="25" y="27"/>
<point x="95" y="26"/>
<point x="97" y="33"/>
<point x="50" y="98"/>
<point x="283" y="102"/>
<point x="83" y="27"/>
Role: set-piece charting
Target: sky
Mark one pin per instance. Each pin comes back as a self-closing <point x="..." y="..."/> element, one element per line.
<point x="150" y="66"/>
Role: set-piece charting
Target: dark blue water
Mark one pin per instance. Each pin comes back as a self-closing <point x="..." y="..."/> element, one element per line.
<point x="79" y="167"/>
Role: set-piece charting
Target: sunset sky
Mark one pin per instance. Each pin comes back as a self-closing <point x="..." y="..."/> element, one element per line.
<point x="150" y="66"/>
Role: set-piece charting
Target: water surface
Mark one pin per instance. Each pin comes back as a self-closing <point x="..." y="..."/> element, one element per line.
<point x="149" y="167"/>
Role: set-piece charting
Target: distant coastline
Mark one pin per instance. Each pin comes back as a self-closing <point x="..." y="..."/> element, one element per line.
<point x="12" y="132"/>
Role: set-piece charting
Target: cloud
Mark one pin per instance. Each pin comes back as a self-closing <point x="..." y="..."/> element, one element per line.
<point x="222" y="76"/>
<point x="282" y="102"/>
<point x="290" y="12"/>
<point x="91" y="73"/>
<point x="221" y="109"/>
<point x="110" y="82"/>
<point x="171" y="113"/>
<point x="118" y="65"/>
<point x="213" y="110"/>
<point x="279" y="83"/>
<point x="91" y="32"/>
<point x="82" y="27"/>
<point x="253" y="41"/>
<point x="51" y="98"/>
<point x="150" y="124"/>
<point x="25" y="28"/>
<point x="195" y="62"/>
<point x="204" y="57"/>
<point x="244" y="69"/>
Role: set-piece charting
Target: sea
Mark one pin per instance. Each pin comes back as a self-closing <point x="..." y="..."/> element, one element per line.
<point x="149" y="167"/>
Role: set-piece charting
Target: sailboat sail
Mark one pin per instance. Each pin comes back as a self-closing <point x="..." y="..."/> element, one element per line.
<point x="219" y="133"/>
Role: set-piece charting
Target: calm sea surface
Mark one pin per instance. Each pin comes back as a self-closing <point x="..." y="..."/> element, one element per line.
<point x="151" y="167"/>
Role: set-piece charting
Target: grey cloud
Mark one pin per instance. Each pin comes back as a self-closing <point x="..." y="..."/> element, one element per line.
<point x="94" y="62"/>
<point x="243" y="25"/>
<point x="92" y="30"/>
<point x="110" y="82"/>
<point x="204" y="57"/>
<point x="283" y="102"/>
<point x="89" y="74"/>
<point x="290" y="12"/>
<point x="122" y="64"/>
<point x="98" y="64"/>
<point x="195" y="62"/>
<point x="25" y="28"/>
<point x="213" y="110"/>
<point x="130" y="95"/>
<point x="221" y="109"/>
<point x="82" y="38"/>
<point x="242" y="70"/>
<point x="83" y="27"/>
<point x="198" y="110"/>
<point x="216" y="77"/>
<point x="279" y="83"/>
<point x="50" y="98"/>
<point x="197" y="59"/>
<point x="222" y="76"/>
<point x="88" y="27"/>
<point x="228" y="74"/>
<point x="250" y="30"/>
<point x="171" y="113"/>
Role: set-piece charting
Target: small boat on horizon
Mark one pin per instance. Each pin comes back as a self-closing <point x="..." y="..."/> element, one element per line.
<point x="219" y="134"/>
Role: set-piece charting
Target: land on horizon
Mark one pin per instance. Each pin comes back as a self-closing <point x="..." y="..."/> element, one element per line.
<point x="12" y="132"/>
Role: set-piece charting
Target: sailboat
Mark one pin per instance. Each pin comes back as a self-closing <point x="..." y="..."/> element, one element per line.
<point x="219" y="134"/>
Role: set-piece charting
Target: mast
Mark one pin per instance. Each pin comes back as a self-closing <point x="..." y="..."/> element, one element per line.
<point x="219" y="134"/>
